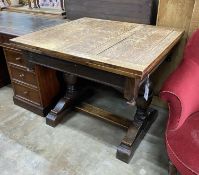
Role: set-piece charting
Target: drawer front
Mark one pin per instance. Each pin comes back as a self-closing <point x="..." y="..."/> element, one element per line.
<point x="14" y="57"/>
<point x="27" y="93"/>
<point x="23" y="76"/>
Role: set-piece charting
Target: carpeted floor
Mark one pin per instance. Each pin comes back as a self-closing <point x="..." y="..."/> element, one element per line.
<point x="80" y="145"/>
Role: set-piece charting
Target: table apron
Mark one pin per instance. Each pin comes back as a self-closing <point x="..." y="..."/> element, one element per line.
<point x="100" y="76"/>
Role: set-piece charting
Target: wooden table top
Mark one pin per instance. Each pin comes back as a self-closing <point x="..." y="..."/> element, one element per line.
<point x="128" y="49"/>
<point x="17" y="24"/>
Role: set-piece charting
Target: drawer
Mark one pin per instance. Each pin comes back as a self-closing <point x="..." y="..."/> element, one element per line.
<point x="14" y="57"/>
<point x="27" y="93"/>
<point x="23" y="76"/>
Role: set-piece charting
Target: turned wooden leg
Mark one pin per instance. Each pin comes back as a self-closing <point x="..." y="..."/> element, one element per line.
<point x="35" y="4"/>
<point x="38" y="4"/>
<point x="143" y="119"/>
<point x="66" y="102"/>
<point x="143" y="101"/>
<point x="62" y="4"/>
<point x="63" y="9"/>
<point x="172" y="169"/>
<point x="29" y="4"/>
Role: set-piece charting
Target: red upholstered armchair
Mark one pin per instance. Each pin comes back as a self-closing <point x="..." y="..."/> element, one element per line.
<point x="181" y="91"/>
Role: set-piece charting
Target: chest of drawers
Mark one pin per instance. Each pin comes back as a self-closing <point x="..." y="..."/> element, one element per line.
<point x="35" y="90"/>
<point x="38" y="89"/>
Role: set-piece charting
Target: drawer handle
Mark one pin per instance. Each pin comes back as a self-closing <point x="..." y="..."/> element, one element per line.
<point x="18" y="59"/>
<point x="25" y="92"/>
<point x="21" y="75"/>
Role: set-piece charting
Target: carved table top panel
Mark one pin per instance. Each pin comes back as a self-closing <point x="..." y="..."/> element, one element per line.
<point x="128" y="49"/>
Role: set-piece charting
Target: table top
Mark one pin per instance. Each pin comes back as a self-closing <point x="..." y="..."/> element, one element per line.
<point x="128" y="49"/>
<point x="17" y="24"/>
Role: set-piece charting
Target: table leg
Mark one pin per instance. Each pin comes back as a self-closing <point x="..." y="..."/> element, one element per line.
<point x="38" y="5"/>
<point x="143" y="119"/>
<point x="62" y="4"/>
<point x="29" y="4"/>
<point x="35" y="4"/>
<point x="66" y="102"/>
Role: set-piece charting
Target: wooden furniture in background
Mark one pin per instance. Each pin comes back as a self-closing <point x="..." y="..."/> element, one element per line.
<point x="178" y="14"/>
<point x="35" y="2"/>
<point x="137" y="11"/>
<point x="4" y="76"/>
<point x="36" y="89"/>
<point x="118" y="54"/>
<point x="194" y="25"/>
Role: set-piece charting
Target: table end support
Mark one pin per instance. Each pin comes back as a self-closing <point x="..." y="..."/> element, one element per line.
<point x="143" y="119"/>
<point x="65" y="103"/>
<point x="129" y="144"/>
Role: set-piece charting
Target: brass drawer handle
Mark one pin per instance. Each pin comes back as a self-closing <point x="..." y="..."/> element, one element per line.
<point x="25" y="92"/>
<point x="21" y="75"/>
<point x="18" y="59"/>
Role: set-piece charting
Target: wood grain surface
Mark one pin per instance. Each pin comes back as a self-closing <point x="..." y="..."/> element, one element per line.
<point x="194" y="25"/>
<point x="177" y="14"/>
<point x="128" y="49"/>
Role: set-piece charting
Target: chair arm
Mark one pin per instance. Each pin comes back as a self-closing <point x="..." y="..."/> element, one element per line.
<point x="181" y="91"/>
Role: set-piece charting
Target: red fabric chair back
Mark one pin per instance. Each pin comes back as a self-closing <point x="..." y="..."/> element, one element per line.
<point x="192" y="48"/>
<point x="181" y="92"/>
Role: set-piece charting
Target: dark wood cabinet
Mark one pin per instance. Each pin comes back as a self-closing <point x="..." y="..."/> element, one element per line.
<point x="37" y="89"/>
<point x="137" y="11"/>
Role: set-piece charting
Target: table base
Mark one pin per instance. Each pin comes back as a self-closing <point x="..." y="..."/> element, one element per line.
<point x="136" y="129"/>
